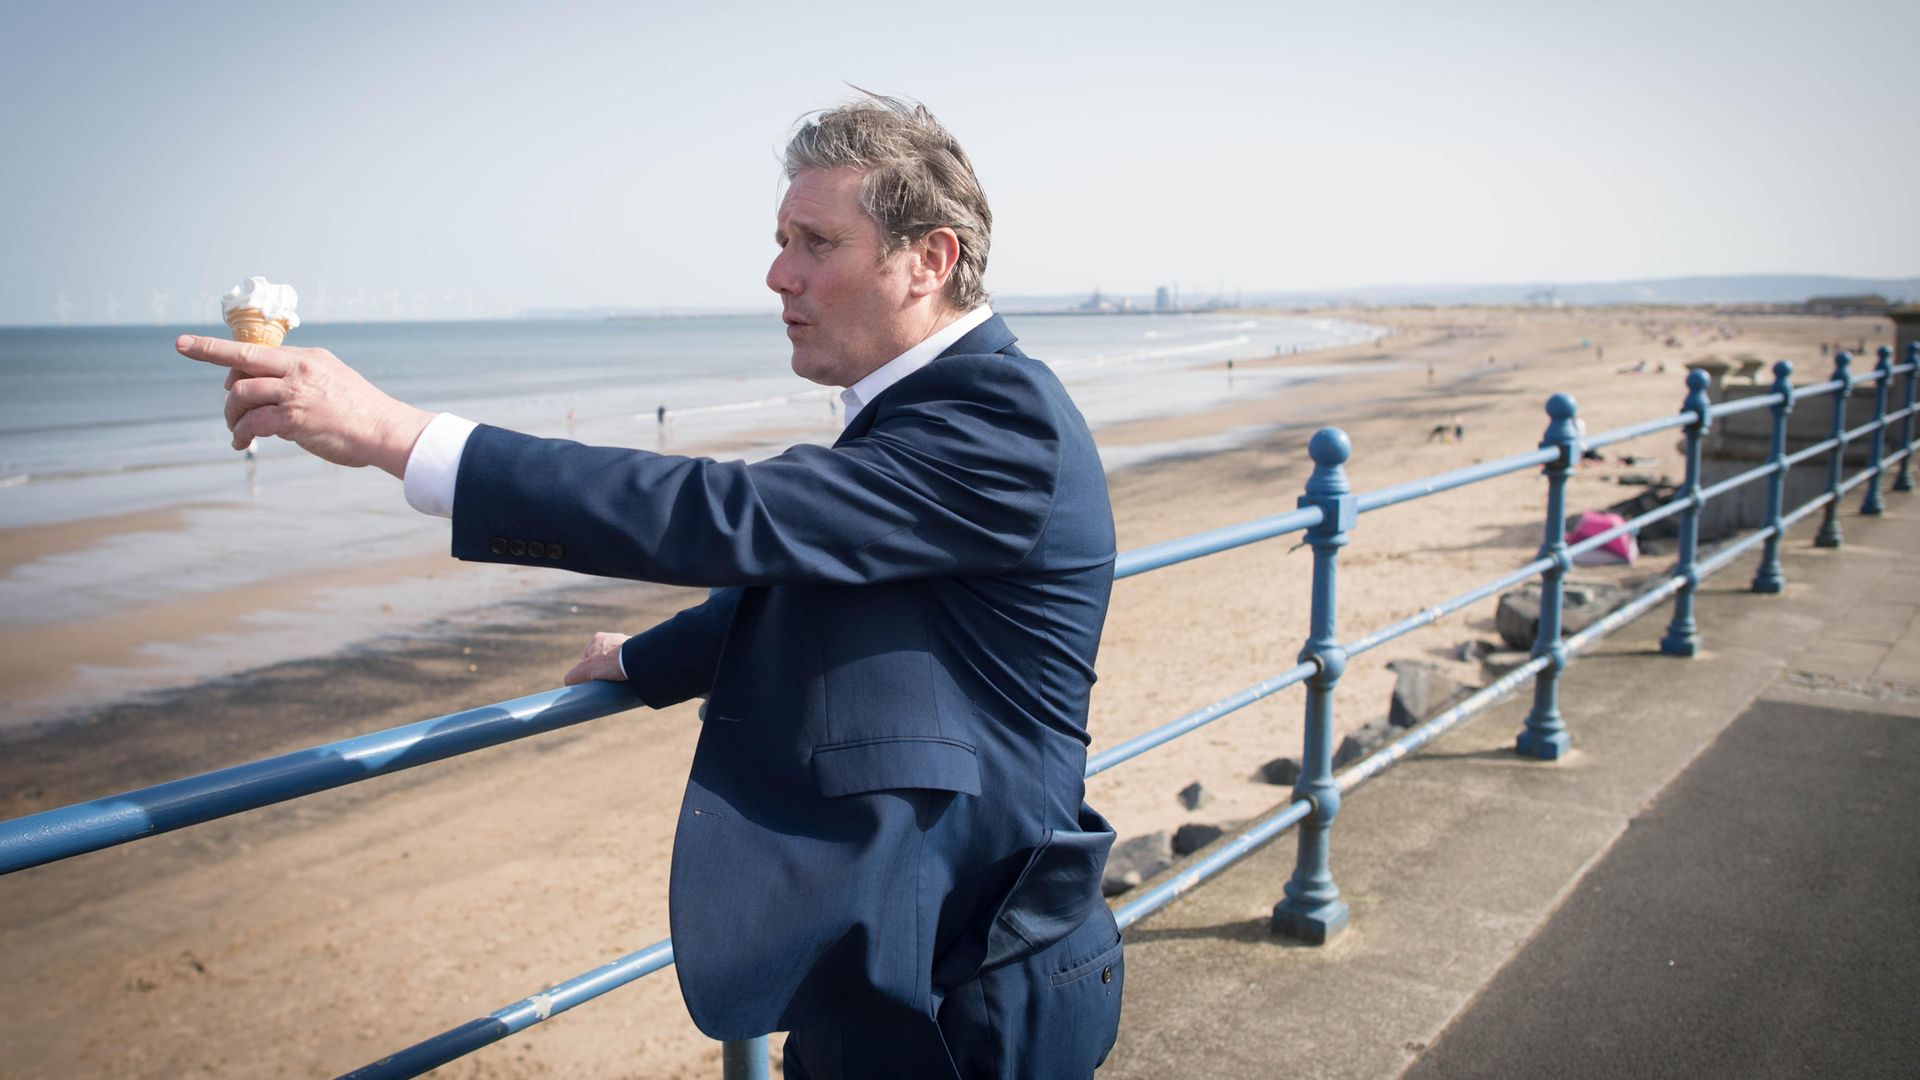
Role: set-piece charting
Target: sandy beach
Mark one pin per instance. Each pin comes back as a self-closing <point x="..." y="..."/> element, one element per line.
<point x="313" y="937"/>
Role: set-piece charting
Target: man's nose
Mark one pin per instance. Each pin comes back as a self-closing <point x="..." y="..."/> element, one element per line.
<point x="780" y="278"/>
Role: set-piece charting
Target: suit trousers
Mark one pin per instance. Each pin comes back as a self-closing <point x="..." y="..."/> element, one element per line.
<point x="1053" y="1015"/>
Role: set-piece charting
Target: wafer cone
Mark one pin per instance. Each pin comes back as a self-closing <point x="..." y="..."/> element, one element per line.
<point x="249" y="325"/>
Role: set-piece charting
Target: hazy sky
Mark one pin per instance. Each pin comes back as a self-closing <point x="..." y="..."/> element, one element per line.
<point x="447" y="159"/>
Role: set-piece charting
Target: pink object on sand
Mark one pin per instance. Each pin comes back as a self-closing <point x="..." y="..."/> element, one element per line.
<point x="1620" y="549"/>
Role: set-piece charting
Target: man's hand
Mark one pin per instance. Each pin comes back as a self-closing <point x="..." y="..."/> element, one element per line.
<point x="600" y="661"/>
<point x="312" y="399"/>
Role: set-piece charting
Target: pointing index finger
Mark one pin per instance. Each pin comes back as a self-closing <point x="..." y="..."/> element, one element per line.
<point x="242" y="356"/>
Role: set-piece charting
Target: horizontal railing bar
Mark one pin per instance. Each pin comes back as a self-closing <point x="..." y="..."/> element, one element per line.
<point x="1228" y="853"/>
<point x="1813" y="451"/>
<point x="1446" y="607"/>
<point x="1738" y="479"/>
<point x="1676" y="505"/>
<point x="1673" y="506"/>
<point x="1805" y="509"/>
<point x="1752" y="404"/>
<point x="1198" y="718"/>
<point x="1624" y="614"/>
<point x="1397" y="751"/>
<point x="1860" y="433"/>
<point x="1635" y="431"/>
<point x="1155" y="556"/>
<point x="1816" y="390"/>
<point x="1447" y="481"/>
<point x="101" y="823"/>
<point x="1855" y="480"/>
<point x="1730" y="552"/>
<point x="491" y="1028"/>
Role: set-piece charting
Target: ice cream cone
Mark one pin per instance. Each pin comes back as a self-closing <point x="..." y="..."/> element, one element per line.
<point x="250" y="325"/>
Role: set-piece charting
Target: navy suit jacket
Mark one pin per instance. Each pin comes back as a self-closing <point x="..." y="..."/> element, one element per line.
<point x="886" y="798"/>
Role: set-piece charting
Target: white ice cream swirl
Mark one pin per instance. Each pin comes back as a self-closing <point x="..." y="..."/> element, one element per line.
<point x="272" y="301"/>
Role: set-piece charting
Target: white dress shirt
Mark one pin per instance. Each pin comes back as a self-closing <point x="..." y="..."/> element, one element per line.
<point x="434" y="465"/>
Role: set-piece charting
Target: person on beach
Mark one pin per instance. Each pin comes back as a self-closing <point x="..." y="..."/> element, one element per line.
<point x="883" y="848"/>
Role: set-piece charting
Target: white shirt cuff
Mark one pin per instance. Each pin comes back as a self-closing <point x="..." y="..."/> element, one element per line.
<point x="621" y="659"/>
<point x="434" y="466"/>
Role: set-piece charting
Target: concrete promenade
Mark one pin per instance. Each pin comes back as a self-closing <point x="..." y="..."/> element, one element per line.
<point x="1722" y="879"/>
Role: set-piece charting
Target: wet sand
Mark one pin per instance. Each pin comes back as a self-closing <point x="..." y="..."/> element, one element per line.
<point x="313" y="937"/>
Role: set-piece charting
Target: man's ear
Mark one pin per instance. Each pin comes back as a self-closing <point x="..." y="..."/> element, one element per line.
<point x="935" y="255"/>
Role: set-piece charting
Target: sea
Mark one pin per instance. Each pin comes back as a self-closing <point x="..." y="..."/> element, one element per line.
<point x="101" y="422"/>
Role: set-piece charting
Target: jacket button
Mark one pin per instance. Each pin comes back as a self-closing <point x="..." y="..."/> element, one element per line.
<point x="1106" y="974"/>
<point x="536" y="549"/>
<point x="517" y="547"/>
<point x="554" y="551"/>
<point x="499" y="545"/>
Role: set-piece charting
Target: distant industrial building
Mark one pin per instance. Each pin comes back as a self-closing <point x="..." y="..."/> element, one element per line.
<point x="1163" y="299"/>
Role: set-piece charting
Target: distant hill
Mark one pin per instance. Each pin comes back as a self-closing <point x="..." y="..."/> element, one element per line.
<point x="1736" y="289"/>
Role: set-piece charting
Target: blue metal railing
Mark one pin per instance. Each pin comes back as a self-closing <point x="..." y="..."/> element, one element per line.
<point x="1311" y="907"/>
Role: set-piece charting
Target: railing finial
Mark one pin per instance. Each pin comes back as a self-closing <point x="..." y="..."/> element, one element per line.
<point x="1830" y="535"/>
<point x="1769" y="578"/>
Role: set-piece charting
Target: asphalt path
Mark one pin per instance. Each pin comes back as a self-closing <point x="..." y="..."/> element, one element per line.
<point x="1760" y="919"/>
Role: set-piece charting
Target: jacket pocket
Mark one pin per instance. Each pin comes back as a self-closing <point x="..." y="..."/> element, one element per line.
<point x="906" y="761"/>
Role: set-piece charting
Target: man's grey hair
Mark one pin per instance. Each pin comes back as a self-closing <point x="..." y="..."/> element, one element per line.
<point x="916" y="179"/>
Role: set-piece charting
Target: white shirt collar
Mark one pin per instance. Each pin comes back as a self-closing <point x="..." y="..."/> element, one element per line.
<point x="857" y="396"/>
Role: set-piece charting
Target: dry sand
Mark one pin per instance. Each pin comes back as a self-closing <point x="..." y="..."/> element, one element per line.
<point x="310" y="938"/>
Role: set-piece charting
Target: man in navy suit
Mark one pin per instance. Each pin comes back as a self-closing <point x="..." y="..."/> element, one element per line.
<point x="883" y="847"/>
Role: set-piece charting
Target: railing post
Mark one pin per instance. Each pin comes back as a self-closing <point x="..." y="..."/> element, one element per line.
<point x="1904" y="481"/>
<point x="1883" y="374"/>
<point x="1681" y="639"/>
<point x="1312" y="910"/>
<point x="1769" y="579"/>
<point x="1829" y="534"/>
<point x="745" y="1059"/>
<point x="1546" y="734"/>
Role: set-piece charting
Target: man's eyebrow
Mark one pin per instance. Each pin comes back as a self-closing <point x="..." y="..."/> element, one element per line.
<point x="796" y="226"/>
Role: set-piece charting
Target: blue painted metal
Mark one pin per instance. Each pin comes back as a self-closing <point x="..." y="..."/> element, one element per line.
<point x="1407" y="745"/>
<point x="1729" y="552"/>
<point x="1227" y="853"/>
<point x="1636" y="431"/>
<point x="1768" y="578"/>
<point x="491" y="1028"/>
<point x="1904" y="481"/>
<point x="1153" y="557"/>
<point x="1682" y="635"/>
<point x="90" y="826"/>
<point x="1446" y="607"/>
<point x="1545" y="736"/>
<point x="1738" y="480"/>
<point x="1312" y="910"/>
<point x="1626" y="613"/>
<point x="1808" y="453"/>
<point x="1447" y="481"/>
<point x="1198" y="718"/>
<point x="1872" y="506"/>
<point x="746" y="1059"/>
<point x="1671" y="508"/>
<point x="1806" y="509"/>
<point x="1829" y="534"/>
<point x="1744" y="405"/>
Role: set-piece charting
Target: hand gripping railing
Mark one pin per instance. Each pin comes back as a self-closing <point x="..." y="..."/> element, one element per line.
<point x="1311" y="907"/>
